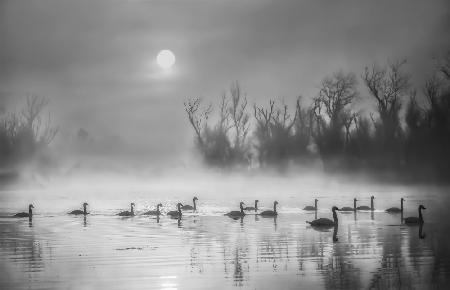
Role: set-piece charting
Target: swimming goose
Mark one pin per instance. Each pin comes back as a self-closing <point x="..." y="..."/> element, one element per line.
<point x="78" y="212"/>
<point x="154" y="212"/>
<point x="24" y="214"/>
<point x="312" y="207"/>
<point x="255" y="208"/>
<point x="324" y="222"/>
<point x="190" y="207"/>
<point x="365" y="207"/>
<point x="127" y="213"/>
<point x="347" y="208"/>
<point x="237" y="213"/>
<point x="176" y="213"/>
<point x="271" y="212"/>
<point x="396" y="209"/>
<point x="415" y="220"/>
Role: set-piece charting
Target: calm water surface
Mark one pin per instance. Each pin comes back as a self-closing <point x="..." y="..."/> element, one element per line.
<point x="206" y="250"/>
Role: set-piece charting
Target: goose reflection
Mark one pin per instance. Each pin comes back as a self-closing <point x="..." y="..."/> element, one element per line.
<point x="241" y="222"/>
<point x="84" y="221"/>
<point x="335" y="229"/>
<point x="421" y="234"/>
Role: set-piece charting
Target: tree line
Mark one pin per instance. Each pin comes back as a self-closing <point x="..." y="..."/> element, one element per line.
<point x="408" y="131"/>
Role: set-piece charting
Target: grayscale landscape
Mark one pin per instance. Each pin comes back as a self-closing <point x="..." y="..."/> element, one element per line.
<point x="149" y="144"/>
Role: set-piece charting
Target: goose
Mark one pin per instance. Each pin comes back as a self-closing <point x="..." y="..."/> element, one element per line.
<point x="309" y="207"/>
<point x="255" y="208"/>
<point x="271" y="212"/>
<point x="347" y="208"/>
<point x="237" y="213"/>
<point x="324" y="222"/>
<point x="154" y="212"/>
<point x="24" y="214"/>
<point x="396" y="209"/>
<point x="365" y="207"/>
<point x="127" y="213"/>
<point x="190" y="207"/>
<point x="415" y="220"/>
<point x="78" y="212"/>
<point x="176" y="213"/>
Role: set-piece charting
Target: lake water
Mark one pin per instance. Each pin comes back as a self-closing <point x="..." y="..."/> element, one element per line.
<point x="206" y="250"/>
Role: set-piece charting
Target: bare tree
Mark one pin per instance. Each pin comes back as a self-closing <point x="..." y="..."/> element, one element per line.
<point x="224" y="117"/>
<point x="264" y="116"/>
<point x="198" y="117"/>
<point x="263" y="119"/>
<point x="239" y="115"/>
<point x="42" y="130"/>
<point x="432" y="89"/>
<point x="329" y="108"/>
<point x="282" y="119"/>
<point x="335" y="94"/>
<point x="387" y="86"/>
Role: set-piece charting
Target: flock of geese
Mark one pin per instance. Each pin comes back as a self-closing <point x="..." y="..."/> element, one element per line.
<point x="321" y="222"/>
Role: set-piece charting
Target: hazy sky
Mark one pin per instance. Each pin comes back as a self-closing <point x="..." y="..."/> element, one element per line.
<point x="95" y="59"/>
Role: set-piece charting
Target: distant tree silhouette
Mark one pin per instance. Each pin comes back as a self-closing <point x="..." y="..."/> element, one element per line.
<point x="280" y="137"/>
<point x="331" y="110"/>
<point x="303" y="133"/>
<point x="408" y="133"/>
<point x="24" y="134"/>
<point x="387" y="86"/>
<point x="428" y="128"/>
<point x="225" y="143"/>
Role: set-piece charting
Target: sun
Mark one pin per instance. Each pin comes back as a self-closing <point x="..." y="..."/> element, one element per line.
<point x="165" y="59"/>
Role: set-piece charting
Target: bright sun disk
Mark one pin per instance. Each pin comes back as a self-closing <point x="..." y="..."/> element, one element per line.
<point x="165" y="59"/>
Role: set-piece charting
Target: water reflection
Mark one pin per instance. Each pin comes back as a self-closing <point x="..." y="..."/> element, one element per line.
<point x="421" y="234"/>
<point x="335" y="230"/>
